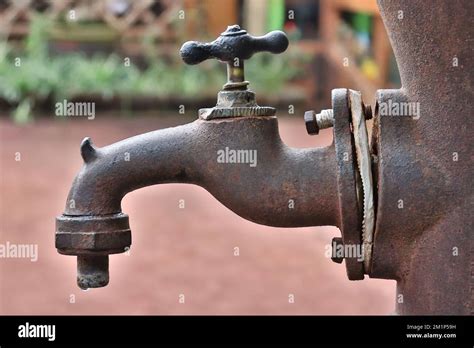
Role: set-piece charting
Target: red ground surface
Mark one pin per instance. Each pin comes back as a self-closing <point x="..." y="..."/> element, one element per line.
<point x="175" y="251"/>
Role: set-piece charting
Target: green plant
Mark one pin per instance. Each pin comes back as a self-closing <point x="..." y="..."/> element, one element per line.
<point x="36" y="76"/>
<point x="270" y="73"/>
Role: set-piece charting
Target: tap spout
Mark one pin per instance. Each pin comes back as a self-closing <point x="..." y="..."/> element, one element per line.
<point x="242" y="162"/>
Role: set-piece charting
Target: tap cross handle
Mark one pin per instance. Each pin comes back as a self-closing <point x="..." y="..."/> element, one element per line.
<point x="233" y="47"/>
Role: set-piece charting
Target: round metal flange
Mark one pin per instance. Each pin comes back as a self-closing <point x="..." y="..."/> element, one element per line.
<point x="350" y="222"/>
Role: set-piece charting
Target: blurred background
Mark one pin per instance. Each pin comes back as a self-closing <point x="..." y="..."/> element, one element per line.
<point x="123" y="56"/>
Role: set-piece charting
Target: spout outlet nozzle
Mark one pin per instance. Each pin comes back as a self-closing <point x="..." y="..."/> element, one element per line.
<point x="92" y="239"/>
<point x="92" y="271"/>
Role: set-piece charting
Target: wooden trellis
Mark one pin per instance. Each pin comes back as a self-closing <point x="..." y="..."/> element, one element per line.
<point x="131" y="19"/>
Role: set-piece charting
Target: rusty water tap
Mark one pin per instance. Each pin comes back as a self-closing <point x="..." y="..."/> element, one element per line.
<point x="93" y="225"/>
<point x="401" y="201"/>
<point x="322" y="181"/>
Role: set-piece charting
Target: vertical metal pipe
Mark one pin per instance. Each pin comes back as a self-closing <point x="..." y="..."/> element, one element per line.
<point x="423" y="229"/>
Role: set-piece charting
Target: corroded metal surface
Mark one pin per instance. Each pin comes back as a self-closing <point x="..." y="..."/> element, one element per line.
<point x="92" y="271"/>
<point x="236" y="103"/>
<point x="350" y="209"/>
<point x="188" y="154"/>
<point x="423" y="232"/>
<point x="272" y="189"/>
<point x="315" y="122"/>
<point x="421" y="167"/>
<point x="284" y="187"/>
<point x="79" y="235"/>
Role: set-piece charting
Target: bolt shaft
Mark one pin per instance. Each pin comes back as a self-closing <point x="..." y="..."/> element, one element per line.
<point x="325" y="119"/>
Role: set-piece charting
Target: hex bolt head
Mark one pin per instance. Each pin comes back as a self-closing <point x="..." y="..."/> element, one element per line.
<point x="310" y="121"/>
<point x="336" y="243"/>
<point x="315" y="122"/>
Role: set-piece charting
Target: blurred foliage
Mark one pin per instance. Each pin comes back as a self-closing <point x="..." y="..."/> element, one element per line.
<point x="40" y="76"/>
